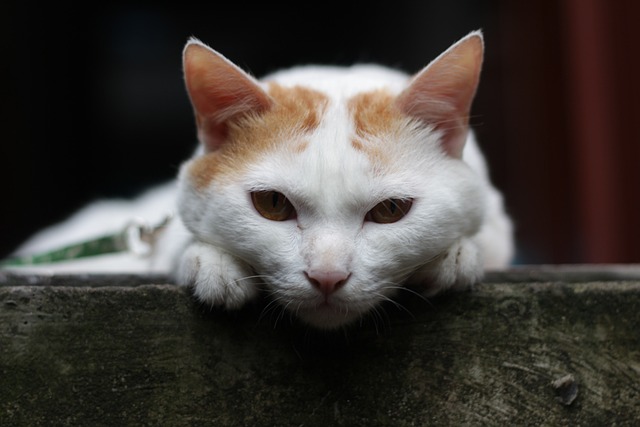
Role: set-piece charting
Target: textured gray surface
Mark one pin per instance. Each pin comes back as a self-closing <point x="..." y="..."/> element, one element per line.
<point x="124" y="350"/>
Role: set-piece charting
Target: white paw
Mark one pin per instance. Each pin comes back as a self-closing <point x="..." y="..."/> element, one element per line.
<point x="217" y="277"/>
<point x="460" y="267"/>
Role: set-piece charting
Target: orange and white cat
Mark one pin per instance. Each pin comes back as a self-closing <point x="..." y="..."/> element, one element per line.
<point x="329" y="188"/>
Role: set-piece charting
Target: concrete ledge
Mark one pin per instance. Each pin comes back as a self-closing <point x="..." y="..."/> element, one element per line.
<point x="527" y="347"/>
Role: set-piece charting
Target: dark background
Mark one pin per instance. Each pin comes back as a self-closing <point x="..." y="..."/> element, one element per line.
<point x="94" y="106"/>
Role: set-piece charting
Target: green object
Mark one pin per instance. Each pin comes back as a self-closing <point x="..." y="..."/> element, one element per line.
<point x="102" y="245"/>
<point x="137" y="237"/>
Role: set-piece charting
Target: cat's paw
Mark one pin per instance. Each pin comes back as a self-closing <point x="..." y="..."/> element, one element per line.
<point x="217" y="277"/>
<point x="460" y="267"/>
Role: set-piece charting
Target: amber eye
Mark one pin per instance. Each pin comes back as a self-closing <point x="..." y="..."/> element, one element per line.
<point x="273" y="205"/>
<point x="390" y="210"/>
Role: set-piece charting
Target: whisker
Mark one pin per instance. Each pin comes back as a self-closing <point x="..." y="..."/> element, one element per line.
<point x="378" y="316"/>
<point x="417" y="294"/>
<point x="412" y="268"/>
<point x="271" y="307"/>
<point x="396" y="304"/>
<point x="257" y="276"/>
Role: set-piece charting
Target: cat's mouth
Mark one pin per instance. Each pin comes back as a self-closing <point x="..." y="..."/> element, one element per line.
<point x="328" y="313"/>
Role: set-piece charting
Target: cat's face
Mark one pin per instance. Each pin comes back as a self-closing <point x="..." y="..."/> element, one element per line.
<point x="333" y="200"/>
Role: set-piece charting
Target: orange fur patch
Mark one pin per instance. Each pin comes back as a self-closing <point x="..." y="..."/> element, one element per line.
<point x="374" y="113"/>
<point x="376" y="119"/>
<point x="300" y="106"/>
<point x="357" y="145"/>
<point x="295" y="111"/>
<point x="301" y="147"/>
<point x="203" y="169"/>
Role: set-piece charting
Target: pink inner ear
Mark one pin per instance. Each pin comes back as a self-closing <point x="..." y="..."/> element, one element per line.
<point x="219" y="92"/>
<point x="441" y="94"/>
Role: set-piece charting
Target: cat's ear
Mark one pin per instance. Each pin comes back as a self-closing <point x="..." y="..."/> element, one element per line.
<point x="441" y="94"/>
<point x="219" y="92"/>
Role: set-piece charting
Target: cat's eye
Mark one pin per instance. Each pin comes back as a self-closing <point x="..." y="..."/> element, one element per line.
<point x="390" y="210"/>
<point x="273" y="205"/>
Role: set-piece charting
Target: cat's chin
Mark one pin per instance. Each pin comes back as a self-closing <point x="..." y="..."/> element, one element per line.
<point x="327" y="317"/>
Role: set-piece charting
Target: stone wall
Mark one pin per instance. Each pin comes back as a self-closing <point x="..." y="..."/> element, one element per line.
<point x="527" y="347"/>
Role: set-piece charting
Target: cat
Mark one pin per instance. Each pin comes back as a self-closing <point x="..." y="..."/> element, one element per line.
<point x="330" y="188"/>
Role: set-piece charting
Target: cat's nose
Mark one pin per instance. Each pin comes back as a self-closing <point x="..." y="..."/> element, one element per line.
<point x="327" y="282"/>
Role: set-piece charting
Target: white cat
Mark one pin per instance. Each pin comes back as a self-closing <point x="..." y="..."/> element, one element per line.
<point x="328" y="187"/>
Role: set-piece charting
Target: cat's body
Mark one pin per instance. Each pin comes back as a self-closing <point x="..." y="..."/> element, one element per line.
<point x="329" y="187"/>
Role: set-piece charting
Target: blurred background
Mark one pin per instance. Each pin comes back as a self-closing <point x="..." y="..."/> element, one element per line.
<point x="94" y="106"/>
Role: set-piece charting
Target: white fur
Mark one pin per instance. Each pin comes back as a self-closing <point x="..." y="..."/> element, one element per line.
<point x="455" y="228"/>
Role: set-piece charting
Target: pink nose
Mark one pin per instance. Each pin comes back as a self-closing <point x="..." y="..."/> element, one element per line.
<point x="327" y="282"/>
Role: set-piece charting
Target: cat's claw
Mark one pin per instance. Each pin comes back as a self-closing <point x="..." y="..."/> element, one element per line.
<point x="458" y="268"/>
<point x="217" y="277"/>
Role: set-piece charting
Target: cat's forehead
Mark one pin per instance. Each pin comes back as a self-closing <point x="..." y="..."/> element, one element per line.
<point x="362" y="150"/>
<point x="308" y="132"/>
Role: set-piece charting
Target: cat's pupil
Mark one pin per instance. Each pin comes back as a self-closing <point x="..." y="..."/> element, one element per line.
<point x="274" y="199"/>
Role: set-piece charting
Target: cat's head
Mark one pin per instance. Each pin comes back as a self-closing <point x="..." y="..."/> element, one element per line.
<point x="334" y="184"/>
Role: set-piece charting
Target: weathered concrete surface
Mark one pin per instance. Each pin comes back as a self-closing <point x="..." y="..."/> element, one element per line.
<point x="91" y="351"/>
